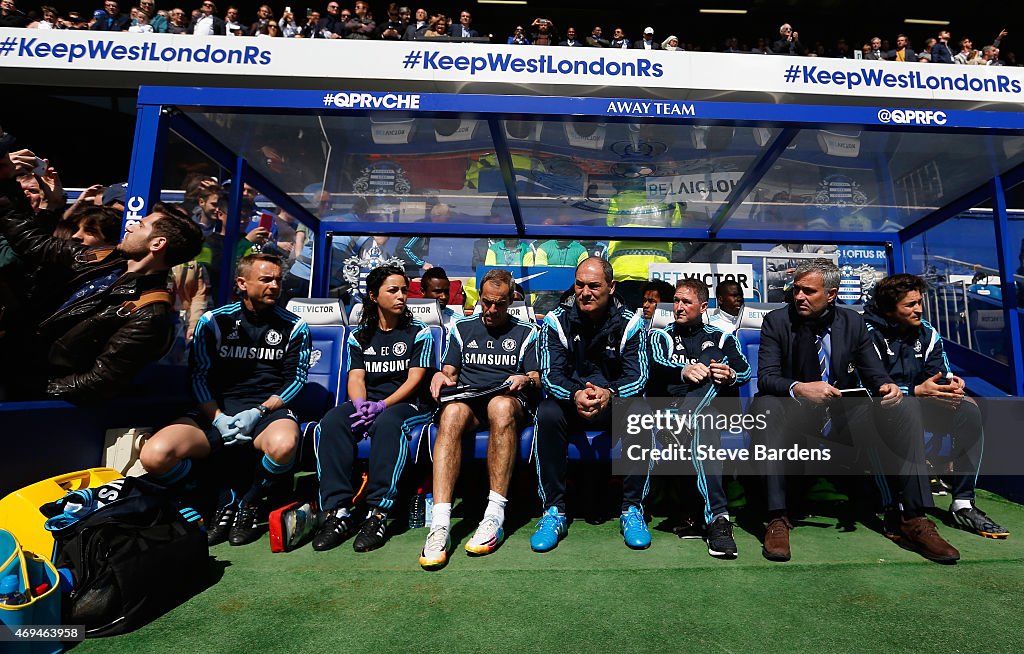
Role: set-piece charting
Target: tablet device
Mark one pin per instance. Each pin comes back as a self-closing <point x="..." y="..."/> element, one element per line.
<point x="855" y="392"/>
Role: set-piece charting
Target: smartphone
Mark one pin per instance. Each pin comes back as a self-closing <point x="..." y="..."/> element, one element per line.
<point x="266" y="220"/>
<point x="287" y="10"/>
<point x="40" y="167"/>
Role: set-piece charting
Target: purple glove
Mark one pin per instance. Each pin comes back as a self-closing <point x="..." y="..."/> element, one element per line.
<point x="359" y="403"/>
<point x="368" y="414"/>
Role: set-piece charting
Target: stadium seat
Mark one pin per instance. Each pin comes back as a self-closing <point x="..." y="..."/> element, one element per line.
<point x="753" y="313"/>
<point x="324" y="385"/>
<point x="518" y="309"/>
<point x="591" y="446"/>
<point x="664" y="315"/>
<point x="749" y="340"/>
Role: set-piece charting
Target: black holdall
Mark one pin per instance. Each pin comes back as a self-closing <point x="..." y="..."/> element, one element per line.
<point x="133" y="550"/>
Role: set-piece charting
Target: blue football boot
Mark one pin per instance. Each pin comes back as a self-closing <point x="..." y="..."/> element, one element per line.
<point x="634" y="528"/>
<point x="551" y="529"/>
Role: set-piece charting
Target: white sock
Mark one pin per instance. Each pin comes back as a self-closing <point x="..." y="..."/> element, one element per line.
<point x="442" y="516"/>
<point x="959" y="504"/>
<point x="496" y="506"/>
<point x="720" y="515"/>
<point x="342" y="512"/>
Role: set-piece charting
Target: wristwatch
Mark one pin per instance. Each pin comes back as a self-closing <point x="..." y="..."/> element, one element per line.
<point x="263" y="410"/>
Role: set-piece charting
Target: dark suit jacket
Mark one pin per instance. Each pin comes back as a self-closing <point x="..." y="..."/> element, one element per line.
<point x="413" y="33"/>
<point x="910" y="55"/>
<point x="639" y="45"/>
<point x="851" y="348"/>
<point x="108" y="24"/>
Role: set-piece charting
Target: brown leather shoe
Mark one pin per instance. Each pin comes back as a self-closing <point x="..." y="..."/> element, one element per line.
<point x="776" y="539"/>
<point x="920" y="535"/>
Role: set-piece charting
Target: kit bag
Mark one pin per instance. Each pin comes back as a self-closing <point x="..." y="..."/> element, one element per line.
<point x="134" y="553"/>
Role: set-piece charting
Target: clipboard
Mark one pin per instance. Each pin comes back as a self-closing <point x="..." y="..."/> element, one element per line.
<point x="463" y="392"/>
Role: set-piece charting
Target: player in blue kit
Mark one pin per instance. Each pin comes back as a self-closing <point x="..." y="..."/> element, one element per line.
<point x="699" y="363"/>
<point x="390" y="354"/>
<point x="248" y="360"/>
<point x="484" y="351"/>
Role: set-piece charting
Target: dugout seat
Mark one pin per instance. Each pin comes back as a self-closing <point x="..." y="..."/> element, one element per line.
<point x="327" y="362"/>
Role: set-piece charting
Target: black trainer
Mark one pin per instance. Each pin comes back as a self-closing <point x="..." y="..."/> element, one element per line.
<point x="335" y="530"/>
<point x="371" y="533"/>
<point x="720" y="540"/>
<point x="221" y="525"/>
<point x="245" y="529"/>
<point x="974" y="520"/>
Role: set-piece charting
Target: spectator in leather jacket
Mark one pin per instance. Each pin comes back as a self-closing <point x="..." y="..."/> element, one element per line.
<point x="118" y="313"/>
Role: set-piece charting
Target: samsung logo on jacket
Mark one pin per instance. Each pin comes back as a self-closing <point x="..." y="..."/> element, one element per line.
<point x="387" y="366"/>
<point x="241" y="352"/>
<point x="491" y="359"/>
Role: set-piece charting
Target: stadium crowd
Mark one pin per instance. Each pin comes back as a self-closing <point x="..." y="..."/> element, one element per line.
<point x="403" y="23"/>
<point x="84" y="310"/>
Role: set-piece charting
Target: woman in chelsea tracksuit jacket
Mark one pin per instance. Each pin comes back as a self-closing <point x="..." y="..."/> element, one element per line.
<point x="390" y="356"/>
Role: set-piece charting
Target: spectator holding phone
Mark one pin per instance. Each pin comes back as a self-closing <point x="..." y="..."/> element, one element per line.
<point x="518" y="37"/>
<point x="116" y="316"/>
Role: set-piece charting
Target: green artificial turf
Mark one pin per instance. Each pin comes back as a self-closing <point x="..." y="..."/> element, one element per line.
<point x="844" y="591"/>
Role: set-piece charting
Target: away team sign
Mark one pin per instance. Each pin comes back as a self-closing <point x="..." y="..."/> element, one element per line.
<point x="286" y="62"/>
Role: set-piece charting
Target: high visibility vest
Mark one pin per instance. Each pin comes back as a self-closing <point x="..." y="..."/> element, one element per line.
<point x="630" y="259"/>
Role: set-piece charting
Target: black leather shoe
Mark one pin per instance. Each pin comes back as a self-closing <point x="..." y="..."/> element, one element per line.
<point x="334" y="532"/>
<point x="371" y="533"/>
<point x="221" y="525"/>
<point x="245" y="529"/>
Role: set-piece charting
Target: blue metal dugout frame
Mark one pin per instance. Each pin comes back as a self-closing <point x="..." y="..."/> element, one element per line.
<point x="160" y="111"/>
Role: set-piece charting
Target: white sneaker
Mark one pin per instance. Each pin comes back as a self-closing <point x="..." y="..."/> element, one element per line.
<point x="435" y="550"/>
<point x="488" y="536"/>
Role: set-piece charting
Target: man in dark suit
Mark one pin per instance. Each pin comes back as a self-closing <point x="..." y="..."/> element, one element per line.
<point x="903" y="52"/>
<point x="570" y="39"/>
<point x="115" y="20"/>
<point x="465" y="28"/>
<point x="941" y="53"/>
<point x="416" y="29"/>
<point x="648" y="42"/>
<point x="809" y="350"/>
<point x="876" y="53"/>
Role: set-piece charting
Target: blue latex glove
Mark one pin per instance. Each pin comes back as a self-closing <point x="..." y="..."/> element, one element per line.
<point x="225" y="425"/>
<point x="368" y="414"/>
<point x="246" y="421"/>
